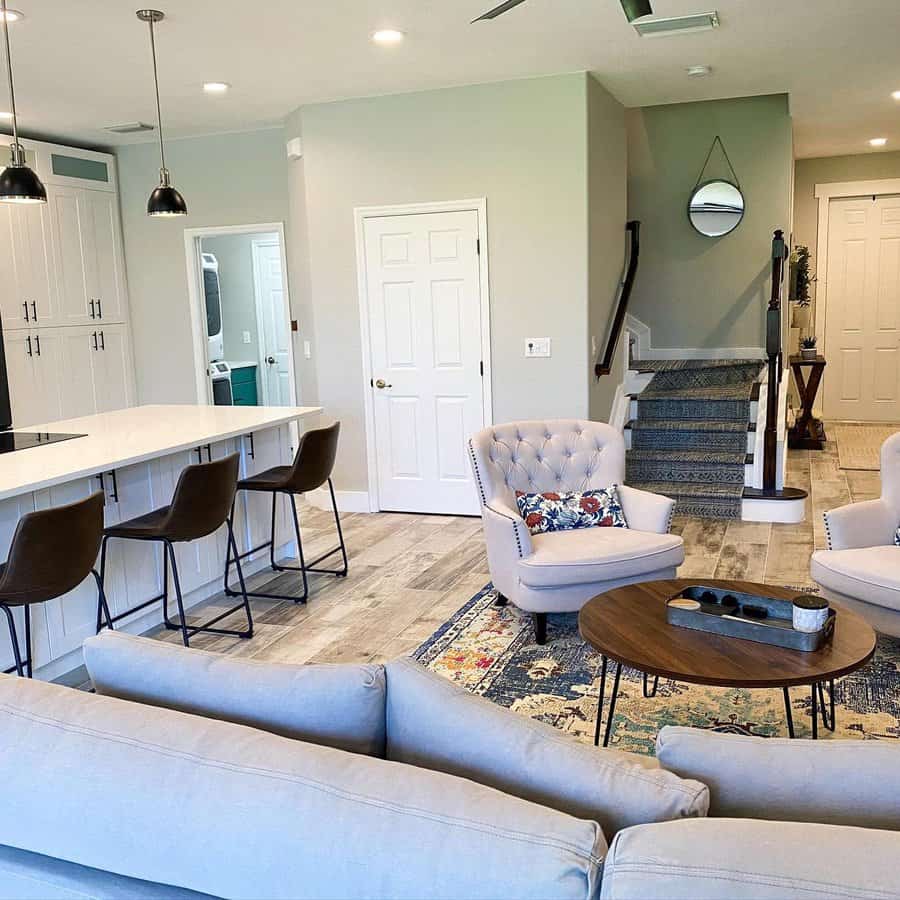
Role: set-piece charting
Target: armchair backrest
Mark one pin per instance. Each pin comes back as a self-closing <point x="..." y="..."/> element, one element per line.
<point x="890" y="473"/>
<point x="541" y="456"/>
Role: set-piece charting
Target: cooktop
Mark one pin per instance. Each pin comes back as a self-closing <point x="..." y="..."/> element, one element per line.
<point x="22" y="440"/>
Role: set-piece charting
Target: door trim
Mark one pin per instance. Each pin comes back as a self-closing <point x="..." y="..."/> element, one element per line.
<point x="825" y="193"/>
<point x="360" y="214"/>
<point x="200" y="344"/>
<point x="255" y="246"/>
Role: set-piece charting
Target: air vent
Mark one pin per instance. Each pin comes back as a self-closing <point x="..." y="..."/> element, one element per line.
<point x="129" y="128"/>
<point x="677" y="25"/>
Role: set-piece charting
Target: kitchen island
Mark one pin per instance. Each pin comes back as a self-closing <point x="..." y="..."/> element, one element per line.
<point x="135" y="456"/>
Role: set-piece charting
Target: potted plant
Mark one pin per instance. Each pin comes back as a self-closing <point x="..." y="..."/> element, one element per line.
<point x="801" y="279"/>
<point x="808" y="348"/>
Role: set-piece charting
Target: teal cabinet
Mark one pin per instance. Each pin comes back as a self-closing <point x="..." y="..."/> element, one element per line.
<point x="243" y="386"/>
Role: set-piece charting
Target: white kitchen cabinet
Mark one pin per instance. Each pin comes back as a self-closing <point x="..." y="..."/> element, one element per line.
<point x="79" y="359"/>
<point x="68" y="228"/>
<point x="102" y="250"/>
<point x="34" y="375"/>
<point x="28" y="297"/>
<point x="112" y="367"/>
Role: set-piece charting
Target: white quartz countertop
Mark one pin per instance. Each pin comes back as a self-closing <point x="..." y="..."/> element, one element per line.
<point x="128" y="436"/>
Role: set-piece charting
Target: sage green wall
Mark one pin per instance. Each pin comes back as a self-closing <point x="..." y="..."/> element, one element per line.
<point x="227" y="179"/>
<point x="520" y="144"/>
<point x="810" y="172"/>
<point x="707" y="292"/>
<point x="607" y="211"/>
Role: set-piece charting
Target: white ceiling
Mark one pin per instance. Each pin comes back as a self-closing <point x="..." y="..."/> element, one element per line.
<point x="82" y="65"/>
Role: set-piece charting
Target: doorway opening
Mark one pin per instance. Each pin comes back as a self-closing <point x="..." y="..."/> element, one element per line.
<point x="240" y="312"/>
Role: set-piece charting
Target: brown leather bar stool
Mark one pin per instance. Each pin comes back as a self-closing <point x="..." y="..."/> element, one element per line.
<point x="203" y="501"/>
<point x="311" y="469"/>
<point x="52" y="552"/>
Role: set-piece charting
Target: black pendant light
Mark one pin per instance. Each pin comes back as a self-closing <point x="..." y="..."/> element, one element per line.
<point x="18" y="183"/>
<point x="165" y="200"/>
<point x="636" y="9"/>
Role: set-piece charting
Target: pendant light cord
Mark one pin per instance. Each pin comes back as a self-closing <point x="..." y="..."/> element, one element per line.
<point x="9" y="73"/>
<point x="162" y="152"/>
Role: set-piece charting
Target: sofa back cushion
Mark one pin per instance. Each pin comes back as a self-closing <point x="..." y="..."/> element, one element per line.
<point x="438" y="725"/>
<point x="230" y="811"/>
<point x="833" y="782"/>
<point x="335" y="705"/>
<point x="743" y="859"/>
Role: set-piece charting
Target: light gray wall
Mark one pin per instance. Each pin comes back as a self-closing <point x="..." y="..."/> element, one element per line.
<point x="810" y="172"/>
<point x="233" y="179"/>
<point x="607" y="212"/>
<point x="520" y="144"/>
<point x="691" y="290"/>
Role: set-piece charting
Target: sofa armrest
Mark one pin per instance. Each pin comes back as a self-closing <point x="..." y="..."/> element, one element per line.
<point x="645" y="511"/>
<point x="858" y="525"/>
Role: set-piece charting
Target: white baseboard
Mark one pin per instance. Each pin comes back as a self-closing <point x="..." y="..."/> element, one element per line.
<point x="347" y="501"/>
<point x="643" y="347"/>
<point x="786" y="512"/>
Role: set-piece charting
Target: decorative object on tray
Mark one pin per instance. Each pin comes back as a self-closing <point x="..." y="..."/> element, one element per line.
<point x="807" y="432"/>
<point x="568" y="510"/>
<point x="808" y="348"/>
<point x="811" y="613"/>
<point x="751" y="617"/>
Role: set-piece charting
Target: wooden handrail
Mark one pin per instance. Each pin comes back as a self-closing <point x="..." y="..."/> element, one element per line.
<point x="773" y="351"/>
<point x="604" y="365"/>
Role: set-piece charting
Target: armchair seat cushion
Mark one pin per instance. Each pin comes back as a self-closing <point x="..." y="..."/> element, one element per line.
<point x="870" y="574"/>
<point x="597" y="554"/>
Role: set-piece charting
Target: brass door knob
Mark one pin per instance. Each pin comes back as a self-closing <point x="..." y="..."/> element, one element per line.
<point x="381" y="384"/>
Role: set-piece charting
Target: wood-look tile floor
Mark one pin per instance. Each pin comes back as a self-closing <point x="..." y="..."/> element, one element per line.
<point x="410" y="573"/>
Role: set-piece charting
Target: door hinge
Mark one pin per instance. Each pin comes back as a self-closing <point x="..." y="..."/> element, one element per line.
<point x="478" y="246"/>
<point x="481" y="368"/>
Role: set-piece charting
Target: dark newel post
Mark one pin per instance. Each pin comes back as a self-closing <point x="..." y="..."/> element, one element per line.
<point x="773" y="351"/>
<point x="604" y="366"/>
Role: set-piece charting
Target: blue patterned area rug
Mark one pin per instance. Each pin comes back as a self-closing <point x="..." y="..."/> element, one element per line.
<point x="490" y="651"/>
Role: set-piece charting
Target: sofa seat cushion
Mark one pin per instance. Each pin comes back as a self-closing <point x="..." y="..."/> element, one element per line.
<point x="334" y="705"/>
<point x="871" y="574"/>
<point x="227" y="810"/>
<point x="438" y="725"/>
<point x="597" y="554"/>
<point x="748" y="859"/>
<point x="831" y="782"/>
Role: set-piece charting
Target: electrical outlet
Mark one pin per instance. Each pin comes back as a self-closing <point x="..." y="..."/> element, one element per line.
<point x="307" y="350"/>
<point x="537" y="347"/>
<point x="246" y="335"/>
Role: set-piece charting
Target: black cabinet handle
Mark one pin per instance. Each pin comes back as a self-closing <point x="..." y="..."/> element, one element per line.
<point x="102" y="486"/>
<point x="34" y="310"/>
<point x="25" y="304"/>
<point x="28" y="345"/>
<point x="94" y="339"/>
<point x="93" y="315"/>
<point x="99" y="309"/>
<point x="37" y="344"/>
<point x="102" y="341"/>
<point x="252" y="453"/>
<point x="115" y="491"/>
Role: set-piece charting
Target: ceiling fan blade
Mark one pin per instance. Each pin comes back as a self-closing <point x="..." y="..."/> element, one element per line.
<point x="498" y="10"/>
<point x="636" y="9"/>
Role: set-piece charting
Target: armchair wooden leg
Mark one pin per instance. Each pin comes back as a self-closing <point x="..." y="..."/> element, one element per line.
<point x="540" y="628"/>
<point x="501" y="600"/>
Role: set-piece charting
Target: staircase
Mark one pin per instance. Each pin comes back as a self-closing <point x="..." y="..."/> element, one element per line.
<point x="691" y="433"/>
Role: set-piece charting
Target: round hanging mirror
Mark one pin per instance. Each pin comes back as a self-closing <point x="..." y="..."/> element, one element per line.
<point x="716" y="208"/>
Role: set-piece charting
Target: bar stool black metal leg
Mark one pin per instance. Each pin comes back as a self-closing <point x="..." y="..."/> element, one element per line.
<point x="650" y="694"/>
<point x="814" y="712"/>
<point x="299" y="551"/>
<point x="165" y="591"/>
<point x="240" y="571"/>
<point x="101" y="596"/>
<point x="788" y="712"/>
<point x="178" y="597"/>
<point x="337" y="522"/>
<point x="14" y="640"/>
<point x="600" y="701"/>
<point x="102" y="605"/>
<point x="29" y="655"/>
<point x="275" y="566"/>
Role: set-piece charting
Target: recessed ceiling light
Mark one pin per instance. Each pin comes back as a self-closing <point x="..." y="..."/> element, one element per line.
<point x="388" y="36"/>
<point x="14" y="15"/>
<point x="699" y="71"/>
<point x="877" y="142"/>
<point x="216" y="87"/>
<point x="896" y="95"/>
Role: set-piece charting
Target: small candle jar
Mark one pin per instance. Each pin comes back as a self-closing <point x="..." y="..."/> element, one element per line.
<point x="810" y="613"/>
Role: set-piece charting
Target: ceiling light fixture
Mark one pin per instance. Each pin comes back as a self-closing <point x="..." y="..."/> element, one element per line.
<point x="896" y="95"/>
<point x="13" y="15"/>
<point x="877" y="142"/>
<point x="216" y="87"/>
<point x="18" y="183"/>
<point x="636" y="9"/>
<point x="165" y="200"/>
<point x="677" y="25"/>
<point x="699" y="71"/>
<point x="388" y="36"/>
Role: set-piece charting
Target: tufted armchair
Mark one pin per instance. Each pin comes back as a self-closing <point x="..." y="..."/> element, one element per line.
<point x="861" y="567"/>
<point x="560" y="571"/>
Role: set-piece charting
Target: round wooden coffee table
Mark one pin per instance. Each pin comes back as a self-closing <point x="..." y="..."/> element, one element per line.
<point x="628" y="626"/>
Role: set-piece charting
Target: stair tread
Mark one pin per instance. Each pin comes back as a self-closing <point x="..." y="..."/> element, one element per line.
<point x="690" y="489"/>
<point x="725" y="457"/>
<point x="710" y="425"/>
<point x="645" y="366"/>
<point x="729" y="392"/>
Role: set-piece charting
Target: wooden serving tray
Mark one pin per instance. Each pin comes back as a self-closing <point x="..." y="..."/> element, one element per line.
<point x="722" y="612"/>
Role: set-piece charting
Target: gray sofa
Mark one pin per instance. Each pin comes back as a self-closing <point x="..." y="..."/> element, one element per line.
<point x="192" y="774"/>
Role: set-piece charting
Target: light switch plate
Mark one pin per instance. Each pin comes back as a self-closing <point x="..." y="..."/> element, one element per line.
<point x="246" y="337"/>
<point x="307" y="350"/>
<point x="537" y="347"/>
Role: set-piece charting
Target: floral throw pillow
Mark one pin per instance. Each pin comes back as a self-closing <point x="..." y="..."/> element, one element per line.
<point x="571" y="510"/>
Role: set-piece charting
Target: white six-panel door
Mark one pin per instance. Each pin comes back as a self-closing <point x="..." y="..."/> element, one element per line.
<point x="424" y="309"/>
<point x="862" y="330"/>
